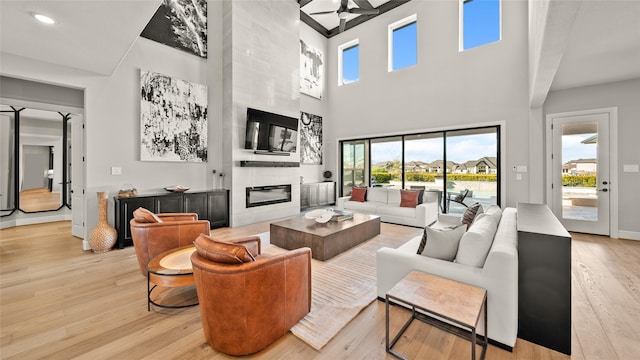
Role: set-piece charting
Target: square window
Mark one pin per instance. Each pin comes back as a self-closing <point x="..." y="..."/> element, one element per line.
<point x="480" y="23"/>
<point x="349" y="62"/>
<point x="403" y="44"/>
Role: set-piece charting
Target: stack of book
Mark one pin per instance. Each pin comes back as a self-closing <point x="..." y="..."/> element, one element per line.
<point x="341" y="215"/>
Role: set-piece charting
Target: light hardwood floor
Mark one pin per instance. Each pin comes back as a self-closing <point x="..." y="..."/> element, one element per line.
<point x="59" y="302"/>
<point x="40" y="199"/>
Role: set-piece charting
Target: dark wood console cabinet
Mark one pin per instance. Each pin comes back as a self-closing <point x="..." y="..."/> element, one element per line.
<point x="544" y="279"/>
<point x="209" y="205"/>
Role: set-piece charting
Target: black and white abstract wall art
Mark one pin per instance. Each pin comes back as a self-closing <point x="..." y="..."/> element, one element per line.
<point x="310" y="139"/>
<point x="311" y="70"/>
<point x="173" y="119"/>
<point x="181" y="24"/>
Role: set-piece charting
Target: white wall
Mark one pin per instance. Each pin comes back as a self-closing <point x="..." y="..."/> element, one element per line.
<point x="312" y="105"/>
<point x="446" y="89"/>
<point x="624" y="95"/>
<point x="112" y="114"/>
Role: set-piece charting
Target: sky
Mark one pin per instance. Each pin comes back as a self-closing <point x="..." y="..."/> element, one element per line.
<point x="573" y="149"/>
<point x="459" y="149"/>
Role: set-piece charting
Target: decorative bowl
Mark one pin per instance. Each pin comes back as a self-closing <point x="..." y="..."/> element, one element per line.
<point x="177" y="188"/>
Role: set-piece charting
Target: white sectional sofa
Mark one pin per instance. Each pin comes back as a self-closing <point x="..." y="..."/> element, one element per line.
<point x="499" y="275"/>
<point x="385" y="202"/>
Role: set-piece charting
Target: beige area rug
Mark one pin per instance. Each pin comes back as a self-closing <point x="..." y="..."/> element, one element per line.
<point x="341" y="287"/>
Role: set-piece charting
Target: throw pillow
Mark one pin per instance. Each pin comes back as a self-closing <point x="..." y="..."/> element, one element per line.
<point x="443" y="244"/>
<point x="143" y="215"/>
<point x="494" y="211"/>
<point x="476" y="242"/>
<point x="470" y="214"/>
<point x="378" y="194"/>
<point x="409" y="198"/>
<point x="393" y="196"/>
<point x="222" y="252"/>
<point x="423" y="242"/>
<point x="358" y="194"/>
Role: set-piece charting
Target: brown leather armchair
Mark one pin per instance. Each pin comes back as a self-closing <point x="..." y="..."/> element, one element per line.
<point x="247" y="306"/>
<point x="153" y="234"/>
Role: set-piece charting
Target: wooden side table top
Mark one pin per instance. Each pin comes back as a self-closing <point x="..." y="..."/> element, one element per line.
<point x="172" y="262"/>
<point x="451" y="299"/>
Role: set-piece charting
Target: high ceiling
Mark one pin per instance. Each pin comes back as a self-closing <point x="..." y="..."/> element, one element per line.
<point x="95" y="35"/>
<point x="327" y="24"/>
<point x="603" y="46"/>
<point x="90" y="35"/>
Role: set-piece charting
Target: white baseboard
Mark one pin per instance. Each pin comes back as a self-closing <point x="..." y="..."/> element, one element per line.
<point x="629" y="235"/>
<point x="7" y="224"/>
<point x="41" y="219"/>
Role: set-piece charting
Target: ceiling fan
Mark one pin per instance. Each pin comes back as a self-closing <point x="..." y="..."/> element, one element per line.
<point x="343" y="11"/>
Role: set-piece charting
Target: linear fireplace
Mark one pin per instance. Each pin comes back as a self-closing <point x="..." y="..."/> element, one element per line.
<point x="267" y="195"/>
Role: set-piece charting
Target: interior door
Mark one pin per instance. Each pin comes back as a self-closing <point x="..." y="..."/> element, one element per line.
<point x="77" y="177"/>
<point x="581" y="173"/>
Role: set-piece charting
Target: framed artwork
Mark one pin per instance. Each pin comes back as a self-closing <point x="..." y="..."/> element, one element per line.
<point x="311" y="70"/>
<point x="310" y="139"/>
<point x="181" y="24"/>
<point x="173" y="119"/>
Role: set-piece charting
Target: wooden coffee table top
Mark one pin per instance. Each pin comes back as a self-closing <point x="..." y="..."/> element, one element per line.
<point x="300" y="223"/>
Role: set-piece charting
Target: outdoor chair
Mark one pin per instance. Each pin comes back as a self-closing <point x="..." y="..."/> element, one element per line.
<point x="458" y="198"/>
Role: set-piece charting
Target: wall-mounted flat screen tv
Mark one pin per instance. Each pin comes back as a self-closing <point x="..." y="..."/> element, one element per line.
<point x="271" y="132"/>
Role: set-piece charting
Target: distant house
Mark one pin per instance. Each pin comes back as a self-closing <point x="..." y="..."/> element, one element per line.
<point x="416" y="166"/>
<point x="437" y="166"/>
<point x="580" y="167"/>
<point x="484" y="165"/>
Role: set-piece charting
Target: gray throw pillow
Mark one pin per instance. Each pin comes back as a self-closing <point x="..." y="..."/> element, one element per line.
<point x="443" y="244"/>
<point x="475" y="244"/>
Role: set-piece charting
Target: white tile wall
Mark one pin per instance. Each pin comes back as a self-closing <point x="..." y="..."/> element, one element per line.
<point x="261" y="69"/>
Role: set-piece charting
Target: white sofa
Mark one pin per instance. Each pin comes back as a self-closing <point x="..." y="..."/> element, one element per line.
<point x="499" y="275"/>
<point x="385" y="202"/>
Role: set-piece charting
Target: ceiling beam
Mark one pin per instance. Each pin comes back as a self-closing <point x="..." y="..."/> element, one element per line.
<point x="363" y="4"/>
<point x="313" y="24"/>
<point x="550" y="27"/>
<point x="388" y="6"/>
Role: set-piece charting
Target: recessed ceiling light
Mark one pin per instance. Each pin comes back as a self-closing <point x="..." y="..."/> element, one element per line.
<point x="44" y="18"/>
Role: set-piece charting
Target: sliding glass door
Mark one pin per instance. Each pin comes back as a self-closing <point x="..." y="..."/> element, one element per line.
<point x="472" y="168"/>
<point x="354" y="171"/>
<point x="423" y="154"/>
<point x="386" y="160"/>
<point x="462" y="166"/>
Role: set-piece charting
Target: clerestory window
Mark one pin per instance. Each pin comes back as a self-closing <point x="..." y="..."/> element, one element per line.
<point x="349" y="62"/>
<point x="479" y="23"/>
<point x="403" y="43"/>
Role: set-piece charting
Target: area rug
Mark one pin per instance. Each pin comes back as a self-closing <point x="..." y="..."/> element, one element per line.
<point x="341" y="287"/>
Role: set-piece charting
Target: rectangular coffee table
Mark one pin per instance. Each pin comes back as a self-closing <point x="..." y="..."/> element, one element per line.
<point x="325" y="240"/>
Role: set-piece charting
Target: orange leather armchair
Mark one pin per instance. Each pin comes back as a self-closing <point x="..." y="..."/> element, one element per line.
<point x="153" y="234"/>
<point x="247" y="306"/>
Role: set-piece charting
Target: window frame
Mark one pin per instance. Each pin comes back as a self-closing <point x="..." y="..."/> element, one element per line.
<point x="341" y="48"/>
<point x="390" y="30"/>
<point x="461" y="26"/>
<point x="445" y="133"/>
